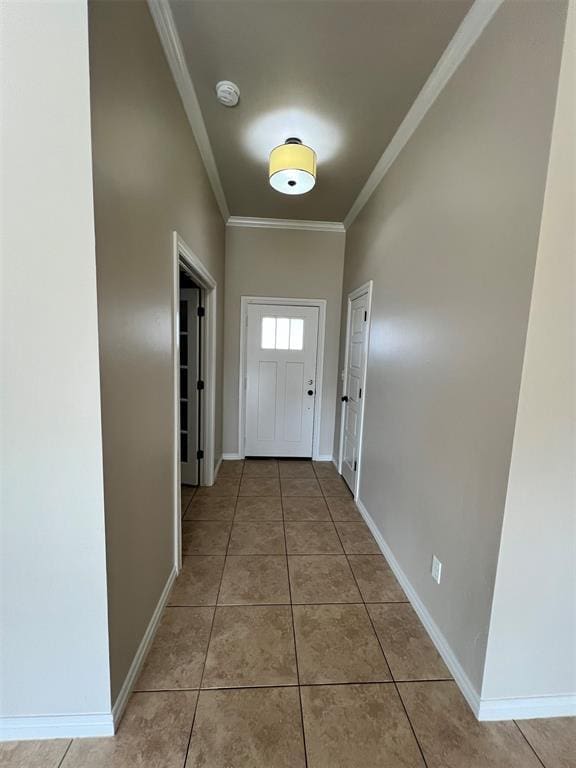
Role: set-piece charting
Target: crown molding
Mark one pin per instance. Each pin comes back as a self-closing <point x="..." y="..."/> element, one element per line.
<point x="312" y="226"/>
<point x="466" y="35"/>
<point x="164" y="21"/>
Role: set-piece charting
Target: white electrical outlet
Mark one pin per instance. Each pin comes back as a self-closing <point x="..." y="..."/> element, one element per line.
<point x="436" y="569"/>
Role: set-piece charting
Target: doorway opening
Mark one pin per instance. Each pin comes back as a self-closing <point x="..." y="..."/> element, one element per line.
<point x="281" y="361"/>
<point x="194" y="374"/>
<point x="191" y="339"/>
<point x="354" y="389"/>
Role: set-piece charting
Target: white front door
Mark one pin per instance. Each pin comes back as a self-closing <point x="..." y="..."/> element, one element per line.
<point x="281" y="349"/>
<point x="354" y="388"/>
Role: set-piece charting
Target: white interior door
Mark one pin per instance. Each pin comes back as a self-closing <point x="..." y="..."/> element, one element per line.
<point x="354" y="388"/>
<point x="281" y="350"/>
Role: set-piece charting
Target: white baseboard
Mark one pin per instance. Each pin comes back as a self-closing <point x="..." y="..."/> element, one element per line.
<point x="484" y="709"/>
<point x="56" y="727"/>
<point x="335" y="462"/>
<point x="217" y="467"/>
<point x="323" y="457"/>
<point x="460" y="677"/>
<point x="231" y="456"/>
<point x="143" y="648"/>
<point x="524" y="709"/>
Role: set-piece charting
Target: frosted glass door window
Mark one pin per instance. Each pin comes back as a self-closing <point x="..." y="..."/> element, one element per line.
<point x="268" y="333"/>
<point x="283" y="333"/>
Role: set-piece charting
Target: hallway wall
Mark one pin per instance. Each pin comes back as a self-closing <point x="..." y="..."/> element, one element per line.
<point x="54" y="669"/>
<point x="287" y="263"/>
<point x="148" y="181"/>
<point x="450" y="240"/>
<point x="534" y="609"/>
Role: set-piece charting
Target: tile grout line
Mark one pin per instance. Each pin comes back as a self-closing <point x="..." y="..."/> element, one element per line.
<point x="393" y="680"/>
<point x="527" y="740"/>
<point x="210" y="634"/>
<point x="183" y="511"/>
<point x="288" y="685"/>
<point x="292" y="554"/>
<point x="61" y="763"/>
<point x="294" y="631"/>
<point x="381" y="646"/>
<point x="331" y="602"/>
<point x="195" y="710"/>
<point x="410" y="723"/>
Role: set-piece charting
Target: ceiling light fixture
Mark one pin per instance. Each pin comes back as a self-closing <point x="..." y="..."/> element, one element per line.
<point x="292" y="168"/>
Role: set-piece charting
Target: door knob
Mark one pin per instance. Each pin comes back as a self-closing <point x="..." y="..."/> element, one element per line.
<point x="310" y="391"/>
<point x="344" y="398"/>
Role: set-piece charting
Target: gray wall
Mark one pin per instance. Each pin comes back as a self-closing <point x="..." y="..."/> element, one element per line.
<point x="532" y="642"/>
<point x="148" y="181"/>
<point x="285" y="263"/>
<point x="450" y="240"/>
<point x="53" y="615"/>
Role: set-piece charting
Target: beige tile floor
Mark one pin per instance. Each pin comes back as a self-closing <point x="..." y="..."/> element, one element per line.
<point x="288" y="643"/>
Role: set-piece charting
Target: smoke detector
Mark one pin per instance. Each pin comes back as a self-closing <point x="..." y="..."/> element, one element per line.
<point x="227" y="93"/>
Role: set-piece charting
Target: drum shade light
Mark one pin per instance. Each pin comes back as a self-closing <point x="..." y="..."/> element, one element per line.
<point x="292" y="168"/>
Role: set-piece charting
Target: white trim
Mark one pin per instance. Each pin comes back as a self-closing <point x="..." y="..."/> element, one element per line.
<point x="140" y="656"/>
<point x="231" y="457"/>
<point x="182" y="253"/>
<point x="466" y="35"/>
<point x="323" y="457"/>
<point x="217" y="467"/>
<point x="460" y="677"/>
<point x="321" y="304"/>
<point x="526" y="708"/>
<point x="366" y="288"/>
<point x="168" y="34"/>
<point x="56" y="727"/>
<point x="313" y="226"/>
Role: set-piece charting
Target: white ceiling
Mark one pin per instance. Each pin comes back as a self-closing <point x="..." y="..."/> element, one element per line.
<point x="339" y="74"/>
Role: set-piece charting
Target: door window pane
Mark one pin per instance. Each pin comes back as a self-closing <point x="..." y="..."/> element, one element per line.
<point x="282" y="333"/>
<point x="268" y="333"/>
<point x="296" y="333"/>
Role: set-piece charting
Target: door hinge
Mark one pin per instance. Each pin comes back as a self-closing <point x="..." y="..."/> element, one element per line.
<point x="365" y="316"/>
<point x="355" y="466"/>
<point x="199" y="385"/>
<point x="360" y="393"/>
<point x="199" y="454"/>
<point x="200" y="311"/>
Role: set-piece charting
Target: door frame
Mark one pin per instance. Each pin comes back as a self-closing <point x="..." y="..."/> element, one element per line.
<point x="182" y="254"/>
<point x="245" y="301"/>
<point x="355" y="294"/>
